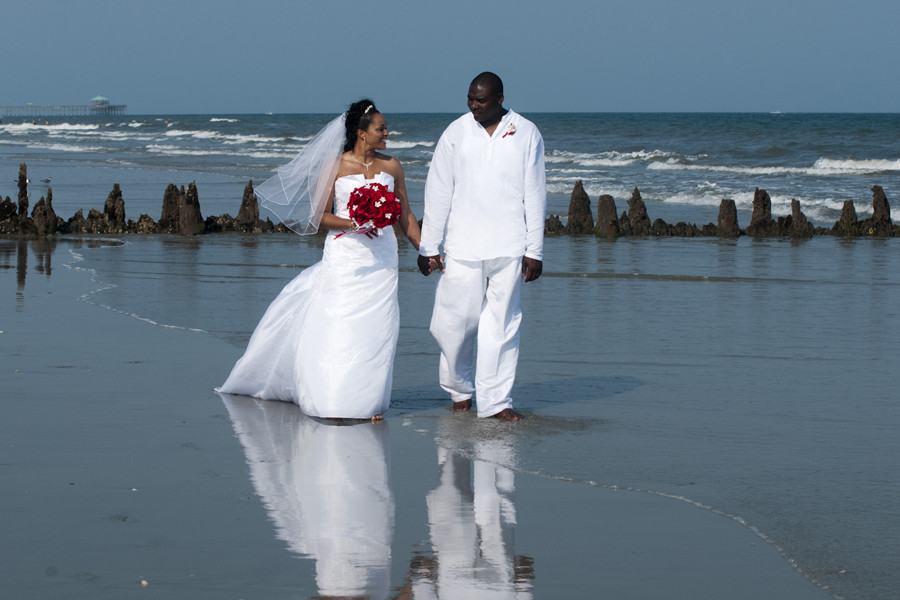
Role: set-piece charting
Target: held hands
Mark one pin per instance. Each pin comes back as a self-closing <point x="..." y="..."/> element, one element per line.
<point x="531" y="268"/>
<point x="428" y="264"/>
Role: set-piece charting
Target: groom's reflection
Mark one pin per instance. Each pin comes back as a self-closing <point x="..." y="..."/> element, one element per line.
<point x="327" y="489"/>
<point x="472" y="521"/>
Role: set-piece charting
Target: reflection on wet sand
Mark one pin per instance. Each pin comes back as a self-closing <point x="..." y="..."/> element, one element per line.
<point x="472" y="521"/>
<point x="17" y="251"/>
<point x="14" y="255"/>
<point x="327" y="488"/>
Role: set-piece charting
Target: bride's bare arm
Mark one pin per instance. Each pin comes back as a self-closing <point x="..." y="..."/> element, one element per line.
<point x="331" y="220"/>
<point x="408" y="223"/>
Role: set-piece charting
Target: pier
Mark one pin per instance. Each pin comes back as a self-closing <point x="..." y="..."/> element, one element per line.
<point x="98" y="106"/>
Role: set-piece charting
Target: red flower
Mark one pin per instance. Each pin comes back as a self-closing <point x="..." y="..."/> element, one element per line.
<point x="373" y="205"/>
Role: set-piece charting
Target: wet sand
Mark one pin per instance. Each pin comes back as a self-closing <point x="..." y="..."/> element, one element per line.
<point x="122" y="465"/>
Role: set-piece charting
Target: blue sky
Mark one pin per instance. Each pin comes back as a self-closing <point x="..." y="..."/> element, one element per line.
<point x="233" y="56"/>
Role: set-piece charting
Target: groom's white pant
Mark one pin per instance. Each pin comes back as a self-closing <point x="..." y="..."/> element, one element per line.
<point x="479" y="302"/>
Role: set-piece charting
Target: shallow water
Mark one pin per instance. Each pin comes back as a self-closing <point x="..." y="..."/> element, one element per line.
<point x="754" y="378"/>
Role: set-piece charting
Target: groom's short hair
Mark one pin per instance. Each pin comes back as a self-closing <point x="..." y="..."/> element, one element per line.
<point x="489" y="80"/>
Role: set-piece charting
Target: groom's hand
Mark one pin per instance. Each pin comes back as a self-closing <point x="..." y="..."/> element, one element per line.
<point x="427" y="264"/>
<point x="531" y="268"/>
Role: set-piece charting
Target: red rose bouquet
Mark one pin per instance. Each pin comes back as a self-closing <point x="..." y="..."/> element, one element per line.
<point x="373" y="206"/>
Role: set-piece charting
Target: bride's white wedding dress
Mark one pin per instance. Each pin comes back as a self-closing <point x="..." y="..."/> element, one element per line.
<point x="327" y="342"/>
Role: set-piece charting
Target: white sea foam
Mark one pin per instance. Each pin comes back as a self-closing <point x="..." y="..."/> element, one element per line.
<point x="171" y="150"/>
<point x="179" y="151"/>
<point x="261" y="154"/>
<point x="862" y="166"/>
<point x="821" y="211"/>
<point x="28" y="128"/>
<point x="223" y="120"/>
<point x="612" y="159"/>
<point x="562" y="186"/>
<point x="822" y="167"/>
<point x="251" y="139"/>
<point x="178" y="133"/>
<point x="585" y="172"/>
<point x="403" y="145"/>
<point x="210" y="134"/>
<point x="200" y="135"/>
<point x="56" y="147"/>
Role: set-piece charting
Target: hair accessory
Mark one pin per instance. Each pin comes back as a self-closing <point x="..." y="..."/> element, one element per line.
<point x="371" y="106"/>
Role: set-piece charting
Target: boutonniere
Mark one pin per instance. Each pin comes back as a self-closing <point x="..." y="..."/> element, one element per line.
<point x="511" y="130"/>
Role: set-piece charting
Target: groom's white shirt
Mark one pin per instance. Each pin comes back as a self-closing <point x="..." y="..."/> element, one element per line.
<point x="486" y="197"/>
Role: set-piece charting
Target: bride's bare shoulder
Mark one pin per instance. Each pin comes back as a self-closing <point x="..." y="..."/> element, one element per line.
<point x="348" y="166"/>
<point x="391" y="165"/>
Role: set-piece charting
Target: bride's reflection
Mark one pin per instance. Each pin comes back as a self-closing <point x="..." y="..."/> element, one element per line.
<point x="327" y="489"/>
<point x="472" y="521"/>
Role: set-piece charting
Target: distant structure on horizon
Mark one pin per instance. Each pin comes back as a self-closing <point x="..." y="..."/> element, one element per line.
<point x="99" y="106"/>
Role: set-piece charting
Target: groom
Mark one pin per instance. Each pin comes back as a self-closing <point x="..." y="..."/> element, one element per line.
<point x="485" y="200"/>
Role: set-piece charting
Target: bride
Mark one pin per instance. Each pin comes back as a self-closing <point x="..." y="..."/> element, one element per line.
<point x="327" y="342"/>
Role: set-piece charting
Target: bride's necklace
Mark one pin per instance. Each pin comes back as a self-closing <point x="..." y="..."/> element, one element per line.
<point x="365" y="164"/>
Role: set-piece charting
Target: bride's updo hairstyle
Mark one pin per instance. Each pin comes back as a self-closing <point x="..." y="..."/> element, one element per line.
<point x="358" y="116"/>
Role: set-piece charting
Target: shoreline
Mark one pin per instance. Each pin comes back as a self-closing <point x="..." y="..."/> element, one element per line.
<point x="181" y="214"/>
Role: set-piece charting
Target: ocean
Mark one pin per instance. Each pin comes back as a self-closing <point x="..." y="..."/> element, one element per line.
<point x="755" y="379"/>
<point x="683" y="164"/>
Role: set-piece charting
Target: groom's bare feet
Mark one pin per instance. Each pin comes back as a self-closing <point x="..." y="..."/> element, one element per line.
<point x="508" y="414"/>
<point x="462" y="406"/>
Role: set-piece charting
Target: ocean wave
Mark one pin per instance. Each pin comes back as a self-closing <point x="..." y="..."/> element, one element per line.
<point x="822" y="167"/>
<point x="257" y="139"/>
<point x="200" y="135"/>
<point x="105" y="134"/>
<point x="223" y="120"/>
<point x="854" y="165"/>
<point x="403" y="145"/>
<point x="119" y="133"/>
<point x="613" y="158"/>
<point x="819" y="210"/>
<point x="57" y="147"/>
<point x="28" y="128"/>
<point x="236" y="138"/>
<point x="170" y="150"/>
<point x="573" y="170"/>
<point x="562" y="186"/>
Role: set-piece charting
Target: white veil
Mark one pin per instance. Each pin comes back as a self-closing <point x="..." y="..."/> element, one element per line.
<point x="299" y="190"/>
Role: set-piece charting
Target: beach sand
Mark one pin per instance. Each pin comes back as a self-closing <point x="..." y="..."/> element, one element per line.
<point x="121" y="465"/>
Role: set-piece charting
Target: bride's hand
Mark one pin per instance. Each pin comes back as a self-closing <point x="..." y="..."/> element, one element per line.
<point x="370" y="232"/>
<point x="429" y="264"/>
